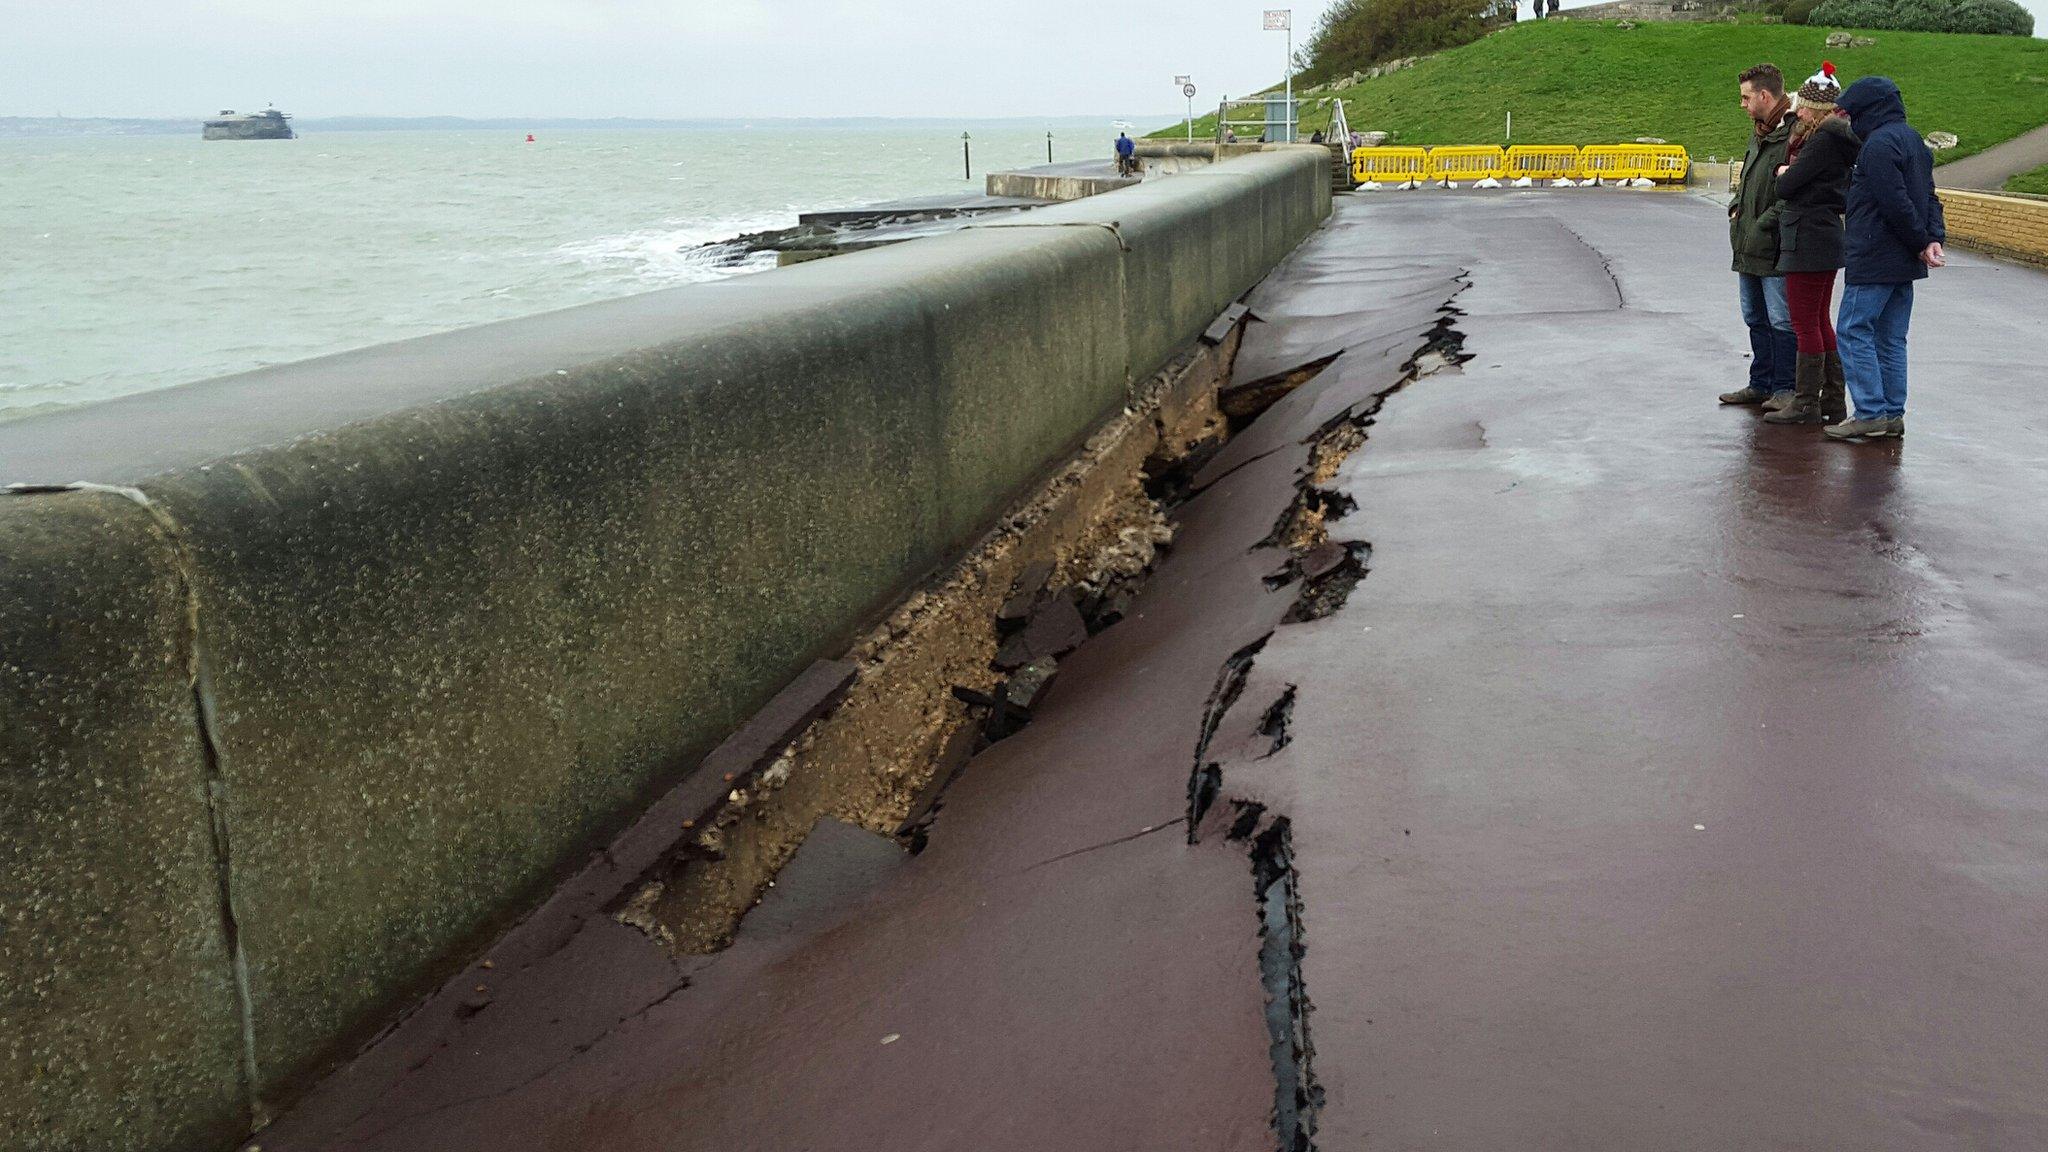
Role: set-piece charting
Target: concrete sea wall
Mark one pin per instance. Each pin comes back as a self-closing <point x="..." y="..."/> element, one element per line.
<point x="330" y="669"/>
<point x="1078" y="181"/>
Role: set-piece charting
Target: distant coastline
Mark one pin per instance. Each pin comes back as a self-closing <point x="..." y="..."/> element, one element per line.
<point x="47" y="126"/>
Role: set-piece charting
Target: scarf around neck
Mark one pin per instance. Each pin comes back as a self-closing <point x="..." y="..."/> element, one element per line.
<point x="1775" y="117"/>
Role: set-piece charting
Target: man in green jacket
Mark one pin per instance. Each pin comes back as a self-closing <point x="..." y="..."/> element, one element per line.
<point x="1773" y="348"/>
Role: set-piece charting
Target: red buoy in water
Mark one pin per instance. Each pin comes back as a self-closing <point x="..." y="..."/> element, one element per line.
<point x="529" y="137"/>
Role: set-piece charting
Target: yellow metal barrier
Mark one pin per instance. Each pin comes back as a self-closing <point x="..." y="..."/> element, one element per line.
<point x="1663" y="163"/>
<point x="1467" y="162"/>
<point x="1385" y="165"/>
<point x="1543" y="162"/>
<point x="1611" y="161"/>
<point x="1666" y="163"/>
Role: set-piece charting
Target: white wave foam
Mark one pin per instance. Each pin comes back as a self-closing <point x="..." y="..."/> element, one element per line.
<point x="679" y="252"/>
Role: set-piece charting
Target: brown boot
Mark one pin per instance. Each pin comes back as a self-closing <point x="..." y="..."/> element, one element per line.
<point x="1834" y="392"/>
<point x="1750" y="395"/>
<point x="1808" y="376"/>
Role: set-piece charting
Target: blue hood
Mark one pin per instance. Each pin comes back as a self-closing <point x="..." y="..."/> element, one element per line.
<point x="1872" y="103"/>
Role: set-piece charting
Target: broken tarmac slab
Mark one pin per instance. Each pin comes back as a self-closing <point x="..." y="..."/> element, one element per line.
<point x="1520" y="820"/>
<point x="1058" y="968"/>
<point x="1685" y="770"/>
<point x="1054" y="628"/>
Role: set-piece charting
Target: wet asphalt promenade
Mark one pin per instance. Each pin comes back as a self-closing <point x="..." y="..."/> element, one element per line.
<point x="1671" y="781"/>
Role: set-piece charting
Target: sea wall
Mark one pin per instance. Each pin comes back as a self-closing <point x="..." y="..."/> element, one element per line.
<point x="331" y="669"/>
<point x="1077" y="181"/>
<point x="2015" y="227"/>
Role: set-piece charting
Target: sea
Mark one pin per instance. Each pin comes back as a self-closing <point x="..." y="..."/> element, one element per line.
<point x="129" y="263"/>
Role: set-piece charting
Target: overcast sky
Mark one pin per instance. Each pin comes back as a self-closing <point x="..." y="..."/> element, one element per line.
<point x="656" y="58"/>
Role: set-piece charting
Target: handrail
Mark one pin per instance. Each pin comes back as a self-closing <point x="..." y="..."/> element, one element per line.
<point x="1223" y="122"/>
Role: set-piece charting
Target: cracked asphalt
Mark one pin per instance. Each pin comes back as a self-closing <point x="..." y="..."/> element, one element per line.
<point x="1670" y="781"/>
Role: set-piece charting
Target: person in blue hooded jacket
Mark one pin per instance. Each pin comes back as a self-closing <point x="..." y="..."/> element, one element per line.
<point x="1894" y="231"/>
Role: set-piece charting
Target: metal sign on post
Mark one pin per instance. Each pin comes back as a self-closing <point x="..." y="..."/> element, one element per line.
<point x="1187" y="89"/>
<point x="1282" y="20"/>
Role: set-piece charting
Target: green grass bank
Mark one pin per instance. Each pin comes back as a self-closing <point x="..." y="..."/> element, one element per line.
<point x="2034" y="183"/>
<point x="1588" y="82"/>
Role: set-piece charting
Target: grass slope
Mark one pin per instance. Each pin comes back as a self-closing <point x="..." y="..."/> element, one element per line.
<point x="2034" y="183"/>
<point x="1587" y="82"/>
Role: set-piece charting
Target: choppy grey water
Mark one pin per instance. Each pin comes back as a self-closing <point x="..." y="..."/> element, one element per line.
<point x="130" y="263"/>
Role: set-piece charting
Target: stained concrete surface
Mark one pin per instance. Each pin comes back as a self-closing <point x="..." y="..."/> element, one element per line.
<point x="1671" y="780"/>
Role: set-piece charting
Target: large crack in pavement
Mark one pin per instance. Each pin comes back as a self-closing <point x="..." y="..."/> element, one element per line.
<point x="1323" y="574"/>
<point x="1023" y="981"/>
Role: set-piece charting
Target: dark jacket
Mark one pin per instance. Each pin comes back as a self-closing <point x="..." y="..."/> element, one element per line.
<point x="1808" y="214"/>
<point x="1892" y="212"/>
<point x="1756" y="244"/>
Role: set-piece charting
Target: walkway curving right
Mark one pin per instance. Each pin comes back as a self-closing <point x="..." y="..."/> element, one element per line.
<point x="1988" y="170"/>
<point x="1673" y="780"/>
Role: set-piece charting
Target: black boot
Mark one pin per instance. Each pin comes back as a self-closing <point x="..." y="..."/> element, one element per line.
<point x="1807" y="382"/>
<point x="1834" y="392"/>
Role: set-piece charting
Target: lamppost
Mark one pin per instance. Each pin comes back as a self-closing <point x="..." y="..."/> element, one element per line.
<point x="1282" y="20"/>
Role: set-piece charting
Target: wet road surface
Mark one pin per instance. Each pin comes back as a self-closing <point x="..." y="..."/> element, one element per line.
<point x="1670" y="780"/>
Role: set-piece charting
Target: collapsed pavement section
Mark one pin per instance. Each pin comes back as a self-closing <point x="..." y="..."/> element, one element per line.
<point x="1070" y="960"/>
<point x="330" y="671"/>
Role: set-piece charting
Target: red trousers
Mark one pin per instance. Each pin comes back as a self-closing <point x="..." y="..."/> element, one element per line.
<point x="1809" y="294"/>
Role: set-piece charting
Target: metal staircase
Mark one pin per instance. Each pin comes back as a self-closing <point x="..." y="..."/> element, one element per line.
<point x="1339" y="143"/>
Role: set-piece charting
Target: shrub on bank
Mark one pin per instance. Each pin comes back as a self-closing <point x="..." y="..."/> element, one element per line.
<point x="1356" y="34"/>
<point x="1991" y="17"/>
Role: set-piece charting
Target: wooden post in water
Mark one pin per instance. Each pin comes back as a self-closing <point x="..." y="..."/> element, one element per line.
<point x="966" y="156"/>
<point x="1048" y="147"/>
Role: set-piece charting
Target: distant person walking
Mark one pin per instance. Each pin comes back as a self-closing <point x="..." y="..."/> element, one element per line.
<point x="1812" y="187"/>
<point x="1537" y="6"/>
<point x="1553" y="7"/>
<point x="1894" y="234"/>
<point x="1126" y="155"/>
<point x="1761" y="288"/>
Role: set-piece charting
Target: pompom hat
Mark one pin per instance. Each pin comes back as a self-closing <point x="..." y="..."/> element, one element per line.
<point x="1821" y="89"/>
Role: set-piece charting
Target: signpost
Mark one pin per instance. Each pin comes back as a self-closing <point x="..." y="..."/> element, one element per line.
<point x="1187" y="89"/>
<point x="1282" y="20"/>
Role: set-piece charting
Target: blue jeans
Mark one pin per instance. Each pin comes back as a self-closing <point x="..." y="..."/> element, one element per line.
<point x="1773" y="349"/>
<point x="1870" y="329"/>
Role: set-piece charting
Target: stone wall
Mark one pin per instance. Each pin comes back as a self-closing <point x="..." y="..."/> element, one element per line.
<point x="2015" y="227"/>
<point x="335" y="667"/>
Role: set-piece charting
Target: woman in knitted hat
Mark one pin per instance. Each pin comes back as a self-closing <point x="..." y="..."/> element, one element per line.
<point x="1812" y="190"/>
